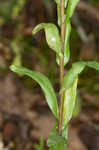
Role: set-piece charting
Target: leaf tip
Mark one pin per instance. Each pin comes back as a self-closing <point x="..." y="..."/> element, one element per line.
<point x="12" y="67"/>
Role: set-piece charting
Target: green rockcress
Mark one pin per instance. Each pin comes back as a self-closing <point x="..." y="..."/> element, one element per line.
<point x="70" y="80"/>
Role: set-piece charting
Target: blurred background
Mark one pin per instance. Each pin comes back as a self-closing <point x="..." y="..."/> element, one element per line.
<point x="24" y="114"/>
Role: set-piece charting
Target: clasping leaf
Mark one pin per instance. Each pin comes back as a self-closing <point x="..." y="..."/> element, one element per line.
<point x="69" y="85"/>
<point x="69" y="102"/>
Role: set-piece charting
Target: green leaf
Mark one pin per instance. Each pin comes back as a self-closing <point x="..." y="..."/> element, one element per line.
<point x="38" y="28"/>
<point x="52" y="36"/>
<point x="65" y="133"/>
<point x="66" y="45"/>
<point x="69" y="85"/>
<point x="76" y="69"/>
<point x="71" y="7"/>
<point x="41" y="146"/>
<point x="77" y="108"/>
<point x="71" y="75"/>
<point x="45" y="84"/>
<point x="93" y="64"/>
<point x="69" y="102"/>
<point x="56" y="142"/>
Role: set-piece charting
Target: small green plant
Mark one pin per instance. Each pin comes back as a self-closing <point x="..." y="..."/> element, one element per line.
<point x="59" y="43"/>
<point x="41" y="145"/>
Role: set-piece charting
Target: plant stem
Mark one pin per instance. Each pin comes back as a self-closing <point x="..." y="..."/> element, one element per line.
<point x="61" y="103"/>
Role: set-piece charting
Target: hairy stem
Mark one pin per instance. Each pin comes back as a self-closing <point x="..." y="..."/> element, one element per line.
<point x="61" y="103"/>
